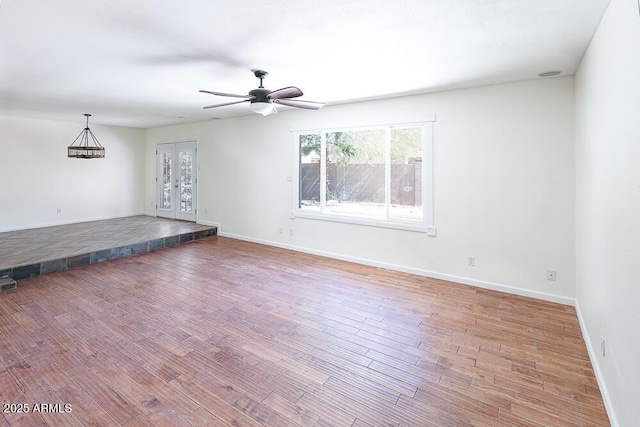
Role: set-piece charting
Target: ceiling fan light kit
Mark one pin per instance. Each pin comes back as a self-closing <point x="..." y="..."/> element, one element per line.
<point x="262" y="100"/>
<point x="86" y="145"/>
<point x="264" y="108"/>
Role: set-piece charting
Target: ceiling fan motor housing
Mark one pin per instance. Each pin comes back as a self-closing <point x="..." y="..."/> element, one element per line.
<point x="260" y="95"/>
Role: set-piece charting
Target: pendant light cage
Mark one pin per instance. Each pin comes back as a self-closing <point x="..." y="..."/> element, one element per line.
<point x="86" y="145"/>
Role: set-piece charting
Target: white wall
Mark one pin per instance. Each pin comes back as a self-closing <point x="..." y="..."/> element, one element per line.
<point x="608" y="205"/>
<point x="503" y="189"/>
<point x="37" y="178"/>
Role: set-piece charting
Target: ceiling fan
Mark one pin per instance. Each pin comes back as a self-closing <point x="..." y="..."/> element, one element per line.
<point x="262" y="100"/>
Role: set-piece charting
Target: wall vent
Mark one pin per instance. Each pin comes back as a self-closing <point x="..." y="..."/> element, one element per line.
<point x="7" y="283"/>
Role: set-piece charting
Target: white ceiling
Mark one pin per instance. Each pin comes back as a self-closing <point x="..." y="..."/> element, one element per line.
<point x="140" y="63"/>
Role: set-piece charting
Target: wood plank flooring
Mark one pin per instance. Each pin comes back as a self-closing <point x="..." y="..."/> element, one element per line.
<point x="221" y="332"/>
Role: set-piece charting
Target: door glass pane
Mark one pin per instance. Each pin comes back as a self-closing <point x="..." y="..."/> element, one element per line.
<point x="186" y="181"/>
<point x="406" y="174"/>
<point x="165" y="196"/>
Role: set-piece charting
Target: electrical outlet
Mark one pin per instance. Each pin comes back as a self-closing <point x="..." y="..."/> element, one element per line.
<point x="603" y="347"/>
<point x="471" y="261"/>
<point x="551" y="275"/>
<point x="291" y="231"/>
<point x="281" y="229"/>
<point x="58" y="210"/>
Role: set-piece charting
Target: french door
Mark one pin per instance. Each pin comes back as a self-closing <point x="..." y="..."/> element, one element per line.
<point x="176" y="180"/>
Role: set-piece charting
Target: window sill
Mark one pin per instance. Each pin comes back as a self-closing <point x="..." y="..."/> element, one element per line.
<point x="398" y="225"/>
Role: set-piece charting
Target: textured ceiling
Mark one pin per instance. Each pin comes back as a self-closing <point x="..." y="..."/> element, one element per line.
<point x="141" y="63"/>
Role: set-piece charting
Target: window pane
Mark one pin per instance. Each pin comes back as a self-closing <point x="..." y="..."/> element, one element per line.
<point x="355" y="173"/>
<point x="186" y="182"/>
<point x="310" y="172"/>
<point x="165" y="201"/>
<point x="406" y="174"/>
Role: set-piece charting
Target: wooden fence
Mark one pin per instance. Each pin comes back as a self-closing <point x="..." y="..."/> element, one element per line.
<point x="363" y="183"/>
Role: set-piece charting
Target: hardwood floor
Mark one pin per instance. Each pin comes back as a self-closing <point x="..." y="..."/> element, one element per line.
<point x="222" y="332"/>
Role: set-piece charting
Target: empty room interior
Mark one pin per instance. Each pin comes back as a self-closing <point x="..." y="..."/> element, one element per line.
<point x="331" y="213"/>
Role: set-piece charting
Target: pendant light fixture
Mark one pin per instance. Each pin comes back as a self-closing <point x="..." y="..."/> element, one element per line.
<point x="83" y="147"/>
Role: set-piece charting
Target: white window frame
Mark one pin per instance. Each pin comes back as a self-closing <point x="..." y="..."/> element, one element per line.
<point x="427" y="223"/>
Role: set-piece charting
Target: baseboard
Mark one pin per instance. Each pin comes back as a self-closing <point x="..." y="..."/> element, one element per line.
<point x="70" y="221"/>
<point x="595" y="363"/>
<point x="417" y="271"/>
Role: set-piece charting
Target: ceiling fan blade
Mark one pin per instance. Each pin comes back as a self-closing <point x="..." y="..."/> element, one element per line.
<point x="226" y="103"/>
<point x="308" y="105"/>
<point x="285" y="92"/>
<point x="226" y="94"/>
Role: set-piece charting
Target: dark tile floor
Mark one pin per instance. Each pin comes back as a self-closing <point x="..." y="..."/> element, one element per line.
<point x="31" y="252"/>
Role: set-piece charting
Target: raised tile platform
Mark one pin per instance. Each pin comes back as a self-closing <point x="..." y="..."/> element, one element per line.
<point x="29" y="253"/>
